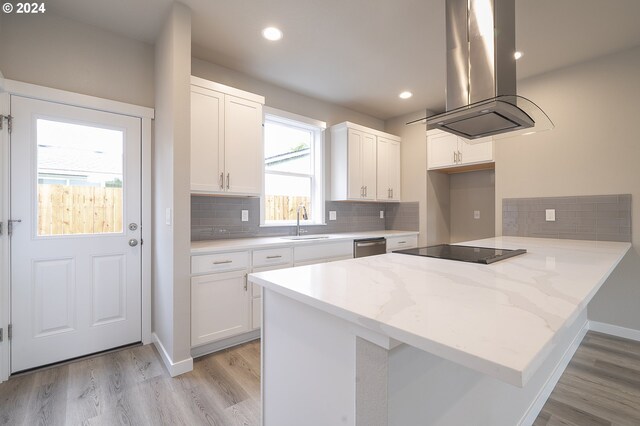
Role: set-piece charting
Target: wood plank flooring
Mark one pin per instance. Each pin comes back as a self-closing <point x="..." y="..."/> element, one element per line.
<point x="601" y="386"/>
<point x="132" y="387"/>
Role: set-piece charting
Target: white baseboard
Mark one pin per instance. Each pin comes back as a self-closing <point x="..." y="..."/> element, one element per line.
<point x="615" y="330"/>
<point x="174" y="368"/>
<point x="535" y="408"/>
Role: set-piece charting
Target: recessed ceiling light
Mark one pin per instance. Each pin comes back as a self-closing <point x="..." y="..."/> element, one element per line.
<point x="517" y="55"/>
<point x="272" y="33"/>
<point x="405" y="95"/>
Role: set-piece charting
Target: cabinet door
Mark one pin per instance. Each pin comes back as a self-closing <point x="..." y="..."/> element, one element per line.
<point x="219" y="306"/>
<point x="394" y="170"/>
<point x="383" y="185"/>
<point x="207" y="136"/>
<point x="243" y="146"/>
<point x="256" y="292"/>
<point x="441" y="148"/>
<point x="354" y="164"/>
<point x="368" y="166"/>
<point x="480" y="151"/>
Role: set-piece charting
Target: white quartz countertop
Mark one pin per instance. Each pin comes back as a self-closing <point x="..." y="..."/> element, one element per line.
<point x="498" y="319"/>
<point x="213" y="246"/>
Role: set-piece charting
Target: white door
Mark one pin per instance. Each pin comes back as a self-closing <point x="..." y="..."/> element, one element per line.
<point x="219" y="306"/>
<point x="243" y="147"/>
<point x="480" y="151"/>
<point x="368" y="164"/>
<point x="207" y="140"/>
<point x="75" y="254"/>
<point x="442" y="148"/>
<point x="354" y="166"/>
<point x="383" y="185"/>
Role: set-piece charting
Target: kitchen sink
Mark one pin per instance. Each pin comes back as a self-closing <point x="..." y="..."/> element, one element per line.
<point x="307" y="237"/>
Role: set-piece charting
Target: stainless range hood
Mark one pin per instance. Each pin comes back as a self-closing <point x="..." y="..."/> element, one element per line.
<point x="481" y="73"/>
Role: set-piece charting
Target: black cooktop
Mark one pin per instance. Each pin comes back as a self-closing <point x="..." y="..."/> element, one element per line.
<point x="483" y="255"/>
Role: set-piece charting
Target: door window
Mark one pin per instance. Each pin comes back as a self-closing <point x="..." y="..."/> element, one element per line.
<point x="80" y="180"/>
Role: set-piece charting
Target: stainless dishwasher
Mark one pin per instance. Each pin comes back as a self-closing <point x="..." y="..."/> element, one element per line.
<point x="369" y="247"/>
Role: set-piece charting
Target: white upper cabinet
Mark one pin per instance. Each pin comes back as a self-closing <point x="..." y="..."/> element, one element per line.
<point x="226" y="139"/>
<point x="388" y="164"/>
<point x="358" y="168"/>
<point x="449" y="152"/>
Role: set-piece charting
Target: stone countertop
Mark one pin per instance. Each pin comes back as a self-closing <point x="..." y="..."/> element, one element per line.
<point x="498" y="319"/>
<point x="216" y="246"/>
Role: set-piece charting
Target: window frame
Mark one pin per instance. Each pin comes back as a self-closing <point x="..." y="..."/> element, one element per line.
<point x="317" y="176"/>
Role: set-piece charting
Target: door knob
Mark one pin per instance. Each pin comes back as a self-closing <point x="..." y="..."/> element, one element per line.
<point x="133" y="242"/>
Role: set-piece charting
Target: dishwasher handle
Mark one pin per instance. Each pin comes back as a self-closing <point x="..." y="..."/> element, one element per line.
<point x="376" y="243"/>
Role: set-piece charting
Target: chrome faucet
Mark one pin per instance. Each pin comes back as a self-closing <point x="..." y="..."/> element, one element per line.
<point x="304" y="216"/>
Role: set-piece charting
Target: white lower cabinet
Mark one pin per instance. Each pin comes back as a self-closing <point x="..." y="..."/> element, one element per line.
<point x="219" y="306"/>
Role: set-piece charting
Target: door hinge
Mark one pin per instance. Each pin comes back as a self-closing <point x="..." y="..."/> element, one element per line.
<point x="1" y="228"/>
<point x="141" y="241"/>
<point x="1" y="335"/>
<point x="8" y="118"/>
<point x="9" y="331"/>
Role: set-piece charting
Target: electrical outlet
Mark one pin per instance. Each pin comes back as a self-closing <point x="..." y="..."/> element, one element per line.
<point x="332" y="215"/>
<point x="245" y="215"/>
<point x="381" y="214"/>
<point x="476" y="214"/>
<point x="550" y="215"/>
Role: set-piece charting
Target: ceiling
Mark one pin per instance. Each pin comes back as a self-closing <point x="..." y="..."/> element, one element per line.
<point x="362" y="53"/>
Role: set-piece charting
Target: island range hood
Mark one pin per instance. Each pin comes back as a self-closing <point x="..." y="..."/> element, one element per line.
<point x="481" y="73"/>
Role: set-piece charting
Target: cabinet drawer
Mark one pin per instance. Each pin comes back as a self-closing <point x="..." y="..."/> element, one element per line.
<point x="219" y="262"/>
<point x="399" y="243"/>
<point x="278" y="256"/>
<point x="322" y="251"/>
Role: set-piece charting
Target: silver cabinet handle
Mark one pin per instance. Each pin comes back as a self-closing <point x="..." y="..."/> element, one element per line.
<point x="133" y="242"/>
<point x="459" y="157"/>
<point x="222" y="262"/>
<point x="402" y="242"/>
<point x="455" y="157"/>
<point x="365" y="191"/>
<point x="362" y="191"/>
<point x="228" y="181"/>
<point x="274" y="257"/>
<point x="221" y="180"/>
<point x="245" y="282"/>
<point x="391" y="192"/>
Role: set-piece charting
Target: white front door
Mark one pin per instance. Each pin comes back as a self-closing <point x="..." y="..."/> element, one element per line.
<point x="75" y="252"/>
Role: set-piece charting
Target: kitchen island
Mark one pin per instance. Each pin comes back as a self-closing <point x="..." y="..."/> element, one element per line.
<point x="398" y="339"/>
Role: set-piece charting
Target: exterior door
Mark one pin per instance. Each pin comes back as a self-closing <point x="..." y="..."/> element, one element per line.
<point x="75" y="249"/>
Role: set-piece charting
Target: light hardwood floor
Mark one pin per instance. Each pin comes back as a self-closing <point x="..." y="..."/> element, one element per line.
<point x="132" y="387"/>
<point x="601" y="386"/>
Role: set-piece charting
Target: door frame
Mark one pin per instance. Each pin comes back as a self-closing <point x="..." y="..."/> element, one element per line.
<point x="146" y="115"/>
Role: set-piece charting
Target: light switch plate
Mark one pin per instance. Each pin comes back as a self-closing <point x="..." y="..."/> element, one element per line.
<point x="381" y="214"/>
<point x="476" y="214"/>
<point x="245" y="215"/>
<point x="332" y="215"/>
<point x="550" y="215"/>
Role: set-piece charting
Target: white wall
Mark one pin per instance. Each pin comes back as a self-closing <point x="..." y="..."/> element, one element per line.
<point x="468" y="192"/>
<point x="171" y="159"/>
<point x="593" y="150"/>
<point x="284" y="99"/>
<point x="53" y="51"/>
<point x="413" y="164"/>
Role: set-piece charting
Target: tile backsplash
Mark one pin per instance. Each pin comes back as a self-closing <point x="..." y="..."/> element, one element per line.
<point x="220" y="217"/>
<point x="594" y="217"/>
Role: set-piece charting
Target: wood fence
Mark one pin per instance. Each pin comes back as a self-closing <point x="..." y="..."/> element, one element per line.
<point x="66" y="210"/>
<point x="280" y="207"/>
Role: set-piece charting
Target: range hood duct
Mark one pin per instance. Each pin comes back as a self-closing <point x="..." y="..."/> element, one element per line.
<point x="481" y="72"/>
